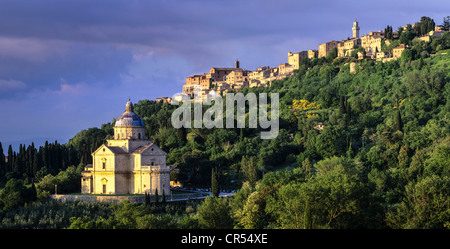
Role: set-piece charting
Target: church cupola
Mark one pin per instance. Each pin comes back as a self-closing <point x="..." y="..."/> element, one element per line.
<point x="129" y="106"/>
<point x="129" y="125"/>
<point x="129" y="118"/>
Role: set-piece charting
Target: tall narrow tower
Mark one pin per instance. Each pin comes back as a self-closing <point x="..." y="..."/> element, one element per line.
<point x="355" y="29"/>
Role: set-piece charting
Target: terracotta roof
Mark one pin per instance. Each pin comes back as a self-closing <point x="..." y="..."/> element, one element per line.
<point x="142" y="148"/>
<point x="116" y="150"/>
<point x="226" y="68"/>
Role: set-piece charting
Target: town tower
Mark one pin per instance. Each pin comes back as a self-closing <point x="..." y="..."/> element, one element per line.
<point x="355" y="29"/>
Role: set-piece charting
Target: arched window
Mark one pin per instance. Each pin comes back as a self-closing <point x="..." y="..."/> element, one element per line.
<point x="103" y="163"/>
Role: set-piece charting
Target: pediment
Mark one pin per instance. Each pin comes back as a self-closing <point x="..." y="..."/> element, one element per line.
<point x="103" y="149"/>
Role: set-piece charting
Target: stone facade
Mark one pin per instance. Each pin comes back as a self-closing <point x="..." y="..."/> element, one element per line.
<point x="381" y="55"/>
<point x="327" y="47"/>
<point x="346" y="47"/>
<point x="372" y="41"/>
<point x="259" y="74"/>
<point x="203" y="80"/>
<point x="237" y="77"/>
<point x="127" y="164"/>
<point x="116" y="199"/>
<point x="219" y="73"/>
<point x="215" y="77"/>
<point x="285" y="69"/>
<point x="294" y="59"/>
<point x="397" y="51"/>
<point x="312" y="54"/>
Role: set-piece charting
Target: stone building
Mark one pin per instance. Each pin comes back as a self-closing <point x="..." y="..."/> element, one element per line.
<point x="216" y="76"/>
<point x="346" y="47"/>
<point x="372" y="42"/>
<point x="397" y="51"/>
<point x="219" y="73"/>
<point x="381" y="55"/>
<point x="260" y="73"/>
<point x="432" y="33"/>
<point x="164" y="100"/>
<point x="294" y="59"/>
<point x="203" y="80"/>
<point x="237" y="77"/>
<point x="312" y="53"/>
<point x="327" y="47"/>
<point x="127" y="164"/>
<point x="285" y="69"/>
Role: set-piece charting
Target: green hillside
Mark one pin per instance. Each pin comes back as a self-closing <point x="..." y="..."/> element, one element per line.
<point x="381" y="158"/>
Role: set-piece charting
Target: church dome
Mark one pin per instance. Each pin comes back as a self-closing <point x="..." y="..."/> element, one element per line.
<point x="129" y="118"/>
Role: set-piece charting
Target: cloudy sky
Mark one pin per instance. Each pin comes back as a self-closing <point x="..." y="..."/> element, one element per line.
<point x="70" y="65"/>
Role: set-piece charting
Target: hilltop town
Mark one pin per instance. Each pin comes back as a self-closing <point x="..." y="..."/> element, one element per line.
<point x="377" y="46"/>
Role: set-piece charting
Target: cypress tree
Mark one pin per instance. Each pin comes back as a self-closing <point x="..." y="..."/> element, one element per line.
<point x="156" y="196"/>
<point x="15" y="163"/>
<point x="341" y="105"/>
<point x="163" y="197"/>
<point x="181" y="135"/>
<point x="350" y="153"/>
<point x="398" y="121"/>
<point x="2" y="163"/>
<point x="306" y="165"/>
<point x="29" y="161"/>
<point x="18" y="163"/>
<point x="35" y="163"/>
<point x="347" y="107"/>
<point x="33" y="193"/>
<point x="45" y="154"/>
<point x="146" y="199"/>
<point x="214" y="183"/>
<point x="10" y="159"/>
<point x="2" y="156"/>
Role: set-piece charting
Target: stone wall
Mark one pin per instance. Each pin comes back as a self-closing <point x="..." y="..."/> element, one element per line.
<point x="119" y="198"/>
<point x="98" y="198"/>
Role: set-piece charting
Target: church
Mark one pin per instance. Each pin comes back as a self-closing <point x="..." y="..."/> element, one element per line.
<point x="127" y="164"/>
